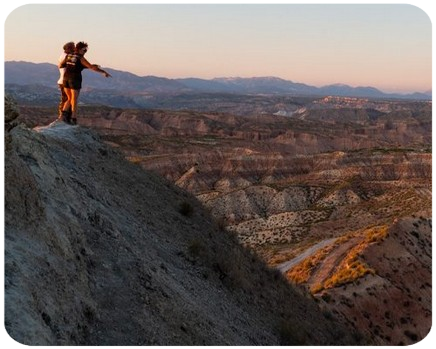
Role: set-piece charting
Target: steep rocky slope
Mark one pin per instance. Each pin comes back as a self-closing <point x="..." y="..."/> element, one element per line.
<point x="100" y="252"/>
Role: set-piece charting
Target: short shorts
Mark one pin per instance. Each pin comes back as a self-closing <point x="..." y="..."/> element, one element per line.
<point x="73" y="84"/>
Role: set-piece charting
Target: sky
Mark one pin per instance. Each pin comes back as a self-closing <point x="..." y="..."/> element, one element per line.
<point x="386" y="46"/>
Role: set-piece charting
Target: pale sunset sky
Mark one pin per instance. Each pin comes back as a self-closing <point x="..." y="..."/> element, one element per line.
<point x="387" y="46"/>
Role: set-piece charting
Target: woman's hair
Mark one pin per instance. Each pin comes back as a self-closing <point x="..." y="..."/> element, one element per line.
<point x="81" y="45"/>
<point x="69" y="46"/>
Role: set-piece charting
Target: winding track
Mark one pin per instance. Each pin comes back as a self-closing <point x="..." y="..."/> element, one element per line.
<point x="285" y="266"/>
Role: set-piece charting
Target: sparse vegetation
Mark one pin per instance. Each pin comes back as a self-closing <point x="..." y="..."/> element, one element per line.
<point x="326" y="297"/>
<point x="292" y="334"/>
<point x="413" y="336"/>
<point x="186" y="209"/>
<point x="195" y="248"/>
<point x="349" y="271"/>
<point x="302" y="271"/>
<point x="135" y="159"/>
<point x="376" y="234"/>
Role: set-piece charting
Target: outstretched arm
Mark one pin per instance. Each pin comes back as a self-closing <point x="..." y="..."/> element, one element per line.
<point x="94" y="67"/>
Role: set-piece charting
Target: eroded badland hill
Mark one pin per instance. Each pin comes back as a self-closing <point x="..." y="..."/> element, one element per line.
<point x="333" y="192"/>
<point x="99" y="251"/>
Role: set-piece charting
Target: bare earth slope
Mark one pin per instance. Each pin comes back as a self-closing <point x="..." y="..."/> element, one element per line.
<point x="378" y="278"/>
<point x="100" y="252"/>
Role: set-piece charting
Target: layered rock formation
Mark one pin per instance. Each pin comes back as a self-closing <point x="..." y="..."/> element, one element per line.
<point x="316" y="192"/>
<point x="100" y="252"/>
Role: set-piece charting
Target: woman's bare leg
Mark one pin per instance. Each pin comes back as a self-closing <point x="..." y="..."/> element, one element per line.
<point x="67" y="106"/>
<point x="74" y="98"/>
<point x="71" y="104"/>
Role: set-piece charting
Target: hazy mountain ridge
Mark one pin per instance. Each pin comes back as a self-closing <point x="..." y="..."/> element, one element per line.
<point x="25" y="73"/>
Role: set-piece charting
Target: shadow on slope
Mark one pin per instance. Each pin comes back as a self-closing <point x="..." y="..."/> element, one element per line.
<point x="100" y="252"/>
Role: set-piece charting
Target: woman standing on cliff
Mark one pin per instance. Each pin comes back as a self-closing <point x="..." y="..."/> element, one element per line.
<point x="74" y="64"/>
<point x="68" y="49"/>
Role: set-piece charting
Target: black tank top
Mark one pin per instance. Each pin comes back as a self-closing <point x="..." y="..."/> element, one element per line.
<point x="73" y="66"/>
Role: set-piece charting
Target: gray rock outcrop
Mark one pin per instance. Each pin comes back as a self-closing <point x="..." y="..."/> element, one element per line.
<point x="8" y="113"/>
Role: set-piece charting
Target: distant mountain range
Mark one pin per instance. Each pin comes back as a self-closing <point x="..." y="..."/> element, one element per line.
<point x="46" y="74"/>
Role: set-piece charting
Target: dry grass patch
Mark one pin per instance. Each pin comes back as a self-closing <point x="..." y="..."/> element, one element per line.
<point x="349" y="269"/>
<point x="376" y="234"/>
<point x="302" y="271"/>
<point x="135" y="159"/>
<point x="352" y="267"/>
